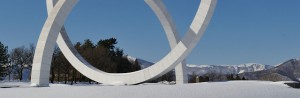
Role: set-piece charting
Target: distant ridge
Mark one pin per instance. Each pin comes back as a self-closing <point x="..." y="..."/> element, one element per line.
<point x="287" y="71"/>
<point x="203" y="69"/>
<point x="227" y="69"/>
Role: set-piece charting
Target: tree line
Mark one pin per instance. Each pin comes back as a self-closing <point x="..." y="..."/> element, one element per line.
<point x="103" y="55"/>
<point x="213" y="76"/>
<point x="13" y="63"/>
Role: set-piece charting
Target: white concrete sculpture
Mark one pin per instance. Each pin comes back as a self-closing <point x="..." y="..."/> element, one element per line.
<point x="54" y="31"/>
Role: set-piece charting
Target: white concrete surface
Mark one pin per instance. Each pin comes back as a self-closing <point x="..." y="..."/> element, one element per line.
<point x="47" y="40"/>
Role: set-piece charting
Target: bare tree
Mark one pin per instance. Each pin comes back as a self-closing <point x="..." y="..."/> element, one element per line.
<point x="30" y="55"/>
<point x="21" y="58"/>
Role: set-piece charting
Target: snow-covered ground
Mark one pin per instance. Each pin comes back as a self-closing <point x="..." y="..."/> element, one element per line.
<point x="232" y="89"/>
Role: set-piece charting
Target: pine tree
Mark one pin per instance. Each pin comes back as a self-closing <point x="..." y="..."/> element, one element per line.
<point x="244" y="78"/>
<point x="104" y="56"/>
<point x="230" y="77"/>
<point x="193" y="78"/>
<point x="3" y="60"/>
<point x="108" y="43"/>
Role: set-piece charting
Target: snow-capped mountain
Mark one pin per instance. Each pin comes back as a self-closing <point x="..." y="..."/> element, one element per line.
<point x="226" y="69"/>
<point x="287" y="71"/>
<point x="219" y="69"/>
<point x="143" y="63"/>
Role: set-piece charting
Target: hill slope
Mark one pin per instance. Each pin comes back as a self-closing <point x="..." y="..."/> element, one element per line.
<point x="287" y="71"/>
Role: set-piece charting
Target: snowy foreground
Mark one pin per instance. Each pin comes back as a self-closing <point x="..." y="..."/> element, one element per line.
<point x="232" y="89"/>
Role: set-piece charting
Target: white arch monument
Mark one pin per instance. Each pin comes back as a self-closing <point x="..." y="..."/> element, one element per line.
<point x="54" y="32"/>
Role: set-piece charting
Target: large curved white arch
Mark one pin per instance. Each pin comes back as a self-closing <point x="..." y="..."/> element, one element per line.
<point x="46" y="43"/>
<point x="49" y="34"/>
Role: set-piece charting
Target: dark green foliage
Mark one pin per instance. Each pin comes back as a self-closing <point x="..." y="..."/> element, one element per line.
<point x="230" y="77"/>
<point x="104" y="56"/>
<point x="244" y="78"/>
<point x="203" y="79"/>
<point x="196" y="79"/>
<point x="3" y="60"/>
<point x="88" y="44"/>
<point x="170" y="76"/>
<point x="214" y="77"/>
<point x="60" y="67"/>
<point x="108" y="43"/>
<point x="236" y="77"/>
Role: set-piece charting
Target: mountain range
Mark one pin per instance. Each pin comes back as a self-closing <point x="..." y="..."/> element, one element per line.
<point x="287" y="71"/>
<point x="226" y="69"/>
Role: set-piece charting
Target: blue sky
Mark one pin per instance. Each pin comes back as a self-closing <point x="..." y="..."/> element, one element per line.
<point x="241" y="31"/>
